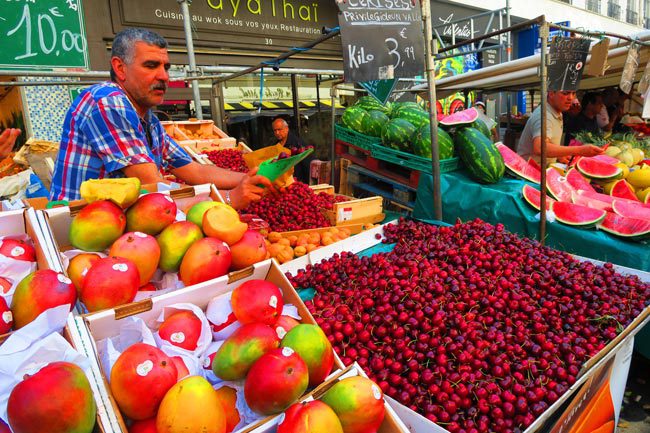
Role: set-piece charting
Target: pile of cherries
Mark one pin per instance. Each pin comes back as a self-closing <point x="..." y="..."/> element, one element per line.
<point x="472" y="326"/>
<point x="231" y="159"/>
<point x="297" y="207"/>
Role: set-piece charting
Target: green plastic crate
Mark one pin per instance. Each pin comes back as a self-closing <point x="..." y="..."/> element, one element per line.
<point x="409" y="160"/>
<point x="355" y="138"/>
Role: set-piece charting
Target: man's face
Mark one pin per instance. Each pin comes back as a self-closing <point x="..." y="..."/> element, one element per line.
<point x="280" y="130"/>
<point x="145" y="78"/>
<point x="562" y="100"/>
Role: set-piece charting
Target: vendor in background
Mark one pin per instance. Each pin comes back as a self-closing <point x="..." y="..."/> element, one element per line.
<point x="111" y="131"/>
<point x="489" y="122"/>
<point x="284" y="137"/>
<point x="7" y="141"/>
<point x="530" y="142"/>
<point x="612" y="111"/>
<point x="586" y="120"/>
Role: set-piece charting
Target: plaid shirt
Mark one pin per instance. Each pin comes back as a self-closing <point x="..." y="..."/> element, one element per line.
<point x="102" y="134"/>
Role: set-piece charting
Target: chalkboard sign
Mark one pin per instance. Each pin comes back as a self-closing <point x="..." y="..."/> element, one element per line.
<point x="382" y="39"/>
<point x="567" y="58"/>
<point x="42" y="34"/>
<point x="379" y="89"/>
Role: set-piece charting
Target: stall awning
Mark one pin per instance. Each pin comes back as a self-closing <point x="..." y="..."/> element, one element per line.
<point x="277" y="105"/>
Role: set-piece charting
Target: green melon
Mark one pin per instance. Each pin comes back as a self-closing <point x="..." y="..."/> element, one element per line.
<point x="397" y="106"/>
<point x="353" y="118"/>
<point x="422" y="143"/>
<point x="481" y="126"/>
<point x="369" y="103"/>
<point x="397" y="134"/>
<point x="480" y="156"/>
<point x="417" y="117"/>
<point x="373" y="123"/>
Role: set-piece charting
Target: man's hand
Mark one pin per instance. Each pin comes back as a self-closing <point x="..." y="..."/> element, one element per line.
<point x="590" y="150"/>
<point x="7" y="141"/>
<point x="249" y="189"/>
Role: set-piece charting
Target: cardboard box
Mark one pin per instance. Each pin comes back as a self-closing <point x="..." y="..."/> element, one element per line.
<point x="355" y="210"/>
<point x="418" y="423"/>
<point x="104" y="324"/>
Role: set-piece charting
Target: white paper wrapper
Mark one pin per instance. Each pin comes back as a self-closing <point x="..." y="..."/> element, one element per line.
<point x="246" y="415"/>
<point x="222" y="320"/>
<point x="291" y="311"/>
<point x="14" y="270"/>
<point x="206" y="362"/>
<point x="31" y="348"/>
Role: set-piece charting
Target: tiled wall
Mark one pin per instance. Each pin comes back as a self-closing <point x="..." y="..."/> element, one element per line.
<point x="45" y="108"/>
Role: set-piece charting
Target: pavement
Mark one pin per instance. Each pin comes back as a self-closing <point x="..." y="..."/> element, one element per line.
<point x="635" y="413"/>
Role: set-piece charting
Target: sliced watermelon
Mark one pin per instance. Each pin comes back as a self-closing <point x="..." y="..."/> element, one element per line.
<point x="631" y="228"/>
<point x="518" y="165"/>
<point x="631" y="210"/>
<point x="606" y="159"/>
<point x="534" y="197"/>
<point x="596" y="169"/>
<point x="558" y="186"/>
<point x="464" y="117"/>
<point x="577" y="181"/>
<point x="593" y="203"/>
<point x="534" y="163"/>
<point x="622" y="189"/>
<point x="577" y="215"/>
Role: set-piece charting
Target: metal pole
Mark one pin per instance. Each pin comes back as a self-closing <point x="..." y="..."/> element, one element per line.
<point x="187" y="24"/>
<point x="334" y="93"/>
<point x="431" y="48"/>
<point x="296" y="102"/>
<point x="543" y="34"/>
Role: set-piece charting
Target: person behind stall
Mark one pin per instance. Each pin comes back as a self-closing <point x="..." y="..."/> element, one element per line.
<point x="111" y="131"/>
<point x="7" y="141"/>
<point x="489" y="122"/>
<point x="286" y="138"/>
<point x="586" y="120"/>
<point x="612" y="111"/>
<point x="530" y="142"/>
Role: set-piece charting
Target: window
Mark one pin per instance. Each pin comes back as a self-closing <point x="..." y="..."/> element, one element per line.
<point x="614" y="10"/>
<point x="632" y="17"/>
<point x="593" y="5"/>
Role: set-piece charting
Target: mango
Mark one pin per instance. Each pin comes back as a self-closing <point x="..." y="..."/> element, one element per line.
<point x="174" y="242"/>
<point x="97" y="226"/>
<point x="151" y="214"/>
<point x="311" y="343"/>
<point x="144" y="426"/>
<point x="250" y="249"/>
<point x="257" y="301"/>
<point x="40" y="291"/>
<point x="181" y="329"/>
<point x="196" y="212"/>
<point x="142" y="249"/>
<point x="110" y="282"/>
<point x="222" y="222"/>
<point x="56" y="399"/>
<point x="123" y="192"/>
<point x="310" y="417"/>
<point x="191" y="405"/>
<point x="140" y="378"/>
<point x="245" y="346"/>
<point x="78" y="268"/>
<point x="5" y="285"/>
<point x="6" y="317"/>
<point x="205" y="259"/>
<point x="17" y="249"/>
<point x="358" y="402"/>
<point x="228" y="398"/>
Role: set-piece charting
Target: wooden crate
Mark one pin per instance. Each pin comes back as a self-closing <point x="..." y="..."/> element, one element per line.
<point x="354" y="211"/>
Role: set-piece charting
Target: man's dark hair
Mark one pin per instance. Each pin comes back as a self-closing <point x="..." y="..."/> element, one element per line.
<point x="591" y="98"/>
<point x="124" y="43"/>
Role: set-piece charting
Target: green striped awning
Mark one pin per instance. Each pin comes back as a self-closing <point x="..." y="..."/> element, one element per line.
<point x="277" y="105"/>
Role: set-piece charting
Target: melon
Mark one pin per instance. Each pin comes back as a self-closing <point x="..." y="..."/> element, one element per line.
<point x="630" y="210"/>
<point x="591" y="202"/>
<point x="630" y="228"/>
<point x="596" y="169"/>
<point x="458" y="118"/>
<point x="534" y="197"/>
<point x="517" y="165"/>
<point x="622" y="189"/>
<point x="606" y="159"/>
<point x="609" y="199"/>
<point x="577" y="215"/>
<point x="558" y="186"/>
<point x="577" y="181"/>
<point x="534" y="163"/>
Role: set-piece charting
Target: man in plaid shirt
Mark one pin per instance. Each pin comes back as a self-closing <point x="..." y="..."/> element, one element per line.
<point x="110" y="130"/>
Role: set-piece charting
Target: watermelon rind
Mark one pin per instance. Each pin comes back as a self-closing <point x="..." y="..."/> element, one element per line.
<point x="622" y="189"/>
<point x="421" y="143"/>
<point x="631" y="210"/>
<point x="481" y="126"/>
<point x="373" y="123"/>
<point x="396" y="107"/>
<point x="534" y="197"/>
<point x="353" y="118"/>
<point x="630" y="228"/>
<point x="397" y="134"/>
<point x="479" y="154"/>
<point x="578" y="181"/>
<point x="465" y="117"/>
<point x="517" y="166"/>
<point x="596" y="169"/>
<point x="417" y="117"/>
<point x="558" y="186"/>
<point x="577" y="215"/>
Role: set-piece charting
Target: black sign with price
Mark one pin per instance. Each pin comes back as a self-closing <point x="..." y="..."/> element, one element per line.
<point x="566" y="62"/>
<point x="382" y="39"/>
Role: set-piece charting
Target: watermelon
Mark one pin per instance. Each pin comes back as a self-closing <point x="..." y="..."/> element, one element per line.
<point x="631" y="228"/>
<point x="396" y="107"/>
<point x="558" y="186"/>
<point x="577" y="215"/>
<point x="353" y="118"/>
<point x="397" y="134"/>
<point x="465" y="117"/>
<point x="593" y="203"/>
<point x="369" y="103"/>
<point x="373" y="123"/>
<point x="534" y="197"/>
<point x="631" y="210"/>
<point x="609" y="199"/>
<point x="481" y="126"/>
<point x="421" y="143"/>
<point x="417" y="117"/>
<point x="534" y="163"/>
<point x="606" y="159"/>
<point x="481" y="157"/>
<point x="577" y="181"/>
<point x="517" y="165"/>
<point x="622" y="189"/>
<point x="596" y="169"/>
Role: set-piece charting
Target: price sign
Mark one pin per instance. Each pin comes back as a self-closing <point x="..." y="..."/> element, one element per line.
<point x="382" y="39"/>
<point x="379" y="89"/>
<point x="42" y="34"/>
<point x="567" y="58"/>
